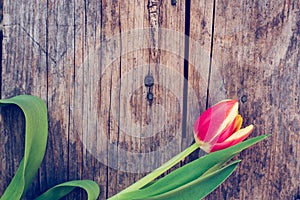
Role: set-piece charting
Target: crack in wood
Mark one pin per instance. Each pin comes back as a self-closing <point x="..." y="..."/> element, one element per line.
<point x="38" y="44"/>
<point x="153" y="9"/>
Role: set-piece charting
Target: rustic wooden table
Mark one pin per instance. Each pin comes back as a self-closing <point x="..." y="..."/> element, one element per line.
<point x="88" y="60"/>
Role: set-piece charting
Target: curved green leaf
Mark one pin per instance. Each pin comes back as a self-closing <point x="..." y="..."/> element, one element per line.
<point x="157" y="172"/>
<point x="36" y="133"/>
<point x="35" y="113"/>
<point x="200" y="187"/>
<point x="193" y="190"/>
<point x="191" y="171"/>
<point x="63" y="189"/>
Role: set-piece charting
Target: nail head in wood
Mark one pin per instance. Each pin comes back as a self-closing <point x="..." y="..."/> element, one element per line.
<point x="150" y="97"/>
<point x="149" y="81"/>
<point x="244" y="98"/>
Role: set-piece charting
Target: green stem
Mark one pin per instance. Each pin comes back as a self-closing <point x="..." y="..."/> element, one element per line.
<point x="157" y="172"/>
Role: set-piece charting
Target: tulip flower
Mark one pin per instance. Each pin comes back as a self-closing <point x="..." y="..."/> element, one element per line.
<point x="219" y="127"/>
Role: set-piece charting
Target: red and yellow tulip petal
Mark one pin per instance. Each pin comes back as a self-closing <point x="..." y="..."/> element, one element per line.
<point x="235" y="138"/>
<point x="206" y="147"/>
<point x="230" y="129"/>
<point x="215" y="119"/>
<point x="241" y="134"/>
<point x="238" y="123"/>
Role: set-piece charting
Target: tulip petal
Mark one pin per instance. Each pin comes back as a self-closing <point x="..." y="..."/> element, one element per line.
<point x="235" y="138"/>
<point x="205" y="147"/>
<point x="238" y="123"/>
<point x="211" y="122"/>
<point x="230" y="129"/>
<point x="241" y="134"/>
<point x="231" y="116"/>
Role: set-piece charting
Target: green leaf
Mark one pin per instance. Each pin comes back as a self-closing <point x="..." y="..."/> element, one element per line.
<point x="200" y="187"/>
<point x="191" y="171"/>
<point x="35" y="113"/>
<point x="157" y="172"/>
<point x="36" y="133"/>
<point x="196" y="189"/>
<point x="63" y="189"/>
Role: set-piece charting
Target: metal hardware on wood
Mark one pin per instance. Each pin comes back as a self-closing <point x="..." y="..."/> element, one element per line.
<point x="150" y="97"/>
<point x="149" y="82"/>
<point x="244" y="98"/>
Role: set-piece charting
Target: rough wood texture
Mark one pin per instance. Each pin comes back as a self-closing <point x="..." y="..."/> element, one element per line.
<point x="88" y="61"/>
<point x="256" y="45"/>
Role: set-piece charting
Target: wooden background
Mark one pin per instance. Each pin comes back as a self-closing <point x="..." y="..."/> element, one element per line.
<point x="86" y="61"/>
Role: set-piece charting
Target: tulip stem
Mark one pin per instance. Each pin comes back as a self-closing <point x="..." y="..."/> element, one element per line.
<point x="157" y="172"/>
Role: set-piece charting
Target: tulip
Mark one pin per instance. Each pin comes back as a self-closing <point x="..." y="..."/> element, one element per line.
<point x="219" y="127"/>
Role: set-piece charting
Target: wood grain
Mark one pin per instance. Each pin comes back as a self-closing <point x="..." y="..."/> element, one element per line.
<point x="88" y="61"/>
<point x="256" y="45"/>
<point x="24" y="71"/>
<point x="200" y="39"/>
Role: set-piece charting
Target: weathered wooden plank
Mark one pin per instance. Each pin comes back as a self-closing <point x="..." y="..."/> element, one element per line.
<point x="60" y="34"/>
<point x="87" y="89"/>
<point x="88" y="61"/>
<point x="138" y="131"/>
<point x="80" y="70"/>
<point x="170" y="75"/>
<point x="131" y="93"/>
<point x="200" y="38"/>
<point x="24" y="71"/>
<point x="110" y="73"/>
<point x="256" y="52"/>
